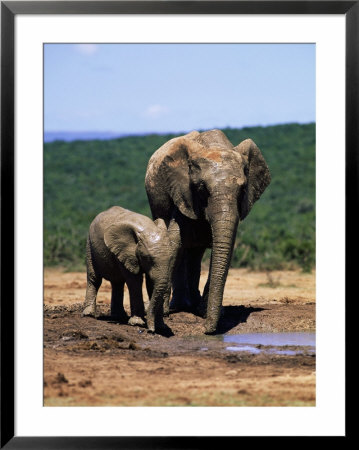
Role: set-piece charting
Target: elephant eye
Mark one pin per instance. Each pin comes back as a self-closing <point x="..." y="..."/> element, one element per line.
<point x="202" y="190"/>
<point x="201" y="186"/>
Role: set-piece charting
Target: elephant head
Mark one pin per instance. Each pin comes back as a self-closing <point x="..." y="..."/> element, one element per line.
<point x="205" y="177"/>
<point x="144" y="247"/>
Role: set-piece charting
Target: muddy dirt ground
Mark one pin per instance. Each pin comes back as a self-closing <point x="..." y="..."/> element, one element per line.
<point x="98" y="362"/>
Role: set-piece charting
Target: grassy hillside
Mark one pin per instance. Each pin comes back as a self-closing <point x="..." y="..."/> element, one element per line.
<point x="82" y="178"/>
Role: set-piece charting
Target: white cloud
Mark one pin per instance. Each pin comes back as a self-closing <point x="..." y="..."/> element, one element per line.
<point x="86" y="49"/>
<point x="155" y="111"/>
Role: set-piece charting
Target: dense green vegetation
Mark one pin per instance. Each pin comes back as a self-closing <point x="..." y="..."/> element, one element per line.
<point x="82" y="178"/>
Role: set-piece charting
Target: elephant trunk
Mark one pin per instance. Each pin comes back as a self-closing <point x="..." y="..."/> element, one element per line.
<point x="223" y="234"/>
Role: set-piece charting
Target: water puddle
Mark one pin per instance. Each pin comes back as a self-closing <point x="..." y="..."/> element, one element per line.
<point x="276" y="343"/>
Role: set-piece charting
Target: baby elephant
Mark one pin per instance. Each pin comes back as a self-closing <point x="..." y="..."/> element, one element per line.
<point x="121" y="246"/>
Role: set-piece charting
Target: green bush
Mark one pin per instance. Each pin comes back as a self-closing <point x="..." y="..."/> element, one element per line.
<point x="83" y="178"/>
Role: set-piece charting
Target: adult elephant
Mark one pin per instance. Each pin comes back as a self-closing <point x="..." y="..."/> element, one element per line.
<point x="202" y="186"/>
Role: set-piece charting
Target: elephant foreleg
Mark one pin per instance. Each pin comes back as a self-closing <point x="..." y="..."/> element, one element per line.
<point x="134" y="283"/>
<point x="149" y="286"/>
<point x="149" y="289"/>
<point x="117" y="309"/>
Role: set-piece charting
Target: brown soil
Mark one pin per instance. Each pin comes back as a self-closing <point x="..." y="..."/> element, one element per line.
<point x="100" y="362"/>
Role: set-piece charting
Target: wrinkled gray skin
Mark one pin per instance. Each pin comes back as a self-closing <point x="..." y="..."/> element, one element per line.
<point x="121" y="247"/>
<point x="202" y="186"/>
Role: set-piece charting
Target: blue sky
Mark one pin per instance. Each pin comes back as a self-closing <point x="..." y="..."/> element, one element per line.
<point x="143" y="88"/>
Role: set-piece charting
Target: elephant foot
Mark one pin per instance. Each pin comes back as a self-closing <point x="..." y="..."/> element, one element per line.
<point x="150" y="325"/>
<point x="136" y="321"/>
<point x="160" y="325"/>
<point x="157" y="325"/>
<point x="119" y="317"/>
<point x="89" y="311"/>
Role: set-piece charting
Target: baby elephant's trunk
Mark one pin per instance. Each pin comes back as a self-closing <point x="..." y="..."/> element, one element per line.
<point x="161" y="292"/>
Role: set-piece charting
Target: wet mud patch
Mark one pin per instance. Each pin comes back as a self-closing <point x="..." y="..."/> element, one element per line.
<point x="98" y="362"/>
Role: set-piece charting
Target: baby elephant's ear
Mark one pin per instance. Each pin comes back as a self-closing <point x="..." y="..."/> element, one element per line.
<point x="121" y="240"/>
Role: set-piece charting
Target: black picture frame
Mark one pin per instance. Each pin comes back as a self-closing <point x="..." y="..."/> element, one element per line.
<point x="9" y="9"/>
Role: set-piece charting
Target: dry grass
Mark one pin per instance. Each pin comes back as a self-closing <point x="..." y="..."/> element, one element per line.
<point x="243" y="287"/>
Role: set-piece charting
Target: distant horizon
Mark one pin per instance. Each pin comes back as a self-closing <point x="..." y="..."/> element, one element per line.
<point x="68" y="136"/>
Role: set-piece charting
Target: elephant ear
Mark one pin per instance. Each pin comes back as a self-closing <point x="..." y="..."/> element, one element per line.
<point x="121" y="240"/>
<point x="257" y="173"/>
<point x="174" y="172"/>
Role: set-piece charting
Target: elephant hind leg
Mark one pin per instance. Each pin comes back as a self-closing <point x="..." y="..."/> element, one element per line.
<point x="94" y="281"/>
<point x="93" y="285"/>
<point x="180" y="294"/>
<point x="186" y="295"/>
